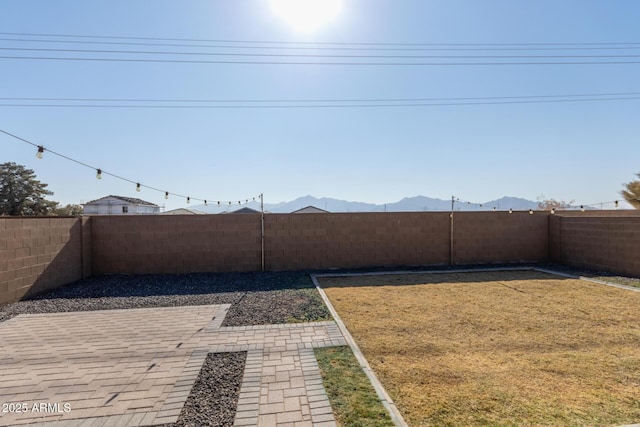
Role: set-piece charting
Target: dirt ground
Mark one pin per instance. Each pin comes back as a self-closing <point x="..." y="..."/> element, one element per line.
<point x="497" y="348"/>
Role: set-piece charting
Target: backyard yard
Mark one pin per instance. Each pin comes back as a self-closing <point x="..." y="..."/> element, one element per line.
<point x="497" y="348"/>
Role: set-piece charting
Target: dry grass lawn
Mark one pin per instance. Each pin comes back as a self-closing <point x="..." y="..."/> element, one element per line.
<point x="497" y="348"/>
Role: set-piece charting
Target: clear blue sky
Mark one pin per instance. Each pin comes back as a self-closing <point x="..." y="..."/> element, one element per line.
<point x="582" y="151"/>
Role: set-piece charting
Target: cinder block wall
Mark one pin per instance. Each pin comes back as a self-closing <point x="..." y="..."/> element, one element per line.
<point x="609" y="243"/>
<point x="41" y="253"/>
<point x="350" y="240"/>
<point x="175" y="243"/>
<point x="500" y="237"/>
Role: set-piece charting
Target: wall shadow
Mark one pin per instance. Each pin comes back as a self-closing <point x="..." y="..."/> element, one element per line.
<point x="436" y="277"/>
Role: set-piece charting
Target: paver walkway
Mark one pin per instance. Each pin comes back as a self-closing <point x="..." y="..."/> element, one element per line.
<point x="137" y="367"/>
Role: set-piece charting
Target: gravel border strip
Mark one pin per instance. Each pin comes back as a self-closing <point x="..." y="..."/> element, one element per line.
<point x="214" y="396"/>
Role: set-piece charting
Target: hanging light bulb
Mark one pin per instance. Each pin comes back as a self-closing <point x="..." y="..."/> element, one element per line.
<point x="205" y="203"/>
<point x="229" y="203"/>
<point x="138" y="187"/>
<point x="40" y="151"/>
<point x="582" y="208"/>
<point x="166" y="195"/>
<point x="530" y="211"/>
<point x="510" y="210"/>
<point x="239" y="202"/>
<point x="99" y="173"/>
<point x="218" y="203"/>
<point x="553" y="211"/>
<point x="494" y="208"/>
<point x="616" y="204"/>
<point x="188" y="200"/>
<point x="254" y="199"/>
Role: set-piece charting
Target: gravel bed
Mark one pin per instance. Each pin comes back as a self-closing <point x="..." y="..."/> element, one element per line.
<point x="255" y="298"/>
<point x="214" y="396"/>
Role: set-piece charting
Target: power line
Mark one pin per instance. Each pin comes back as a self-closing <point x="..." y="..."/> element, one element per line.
<point x="317" y="43"/>
<point x="322" y="100"/>
<point x="280" y="55"/>
<point x="324" y="106"/>
<point x="234" y="46"/>
<point x="175" y="61"/>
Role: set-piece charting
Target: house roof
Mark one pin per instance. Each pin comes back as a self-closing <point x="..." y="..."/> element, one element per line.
<point x="130" y="200"/>
<point x="310" y="209"/>
<point x="245" y="211"/>
<point x="183" y="211"/>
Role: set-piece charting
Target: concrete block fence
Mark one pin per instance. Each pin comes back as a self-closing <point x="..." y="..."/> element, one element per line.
<point x="39" y="253"/>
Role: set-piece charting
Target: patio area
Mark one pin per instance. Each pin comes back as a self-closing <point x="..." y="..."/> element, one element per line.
<point x="136" y="367"/>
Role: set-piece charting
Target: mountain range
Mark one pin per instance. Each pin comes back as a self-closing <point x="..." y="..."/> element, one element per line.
<point x="408" y="204"/>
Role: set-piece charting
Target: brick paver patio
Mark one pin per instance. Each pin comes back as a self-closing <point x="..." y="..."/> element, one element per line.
<point x="136" y="367"/>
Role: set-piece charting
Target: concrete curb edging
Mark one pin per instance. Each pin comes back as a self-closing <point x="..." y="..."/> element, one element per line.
<point x="387" y="402"/>
<point x="588" y="279"/>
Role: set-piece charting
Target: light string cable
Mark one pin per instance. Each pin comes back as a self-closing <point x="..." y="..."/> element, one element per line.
<point x="553" y="210"/>
<point x="484" y="206"/>
<point x="99" y="172"/>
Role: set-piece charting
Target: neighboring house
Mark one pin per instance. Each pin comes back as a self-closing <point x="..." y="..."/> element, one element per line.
<point x="119" y="205"/>
<point x="183" y="211"/>
<point x="244" y="211"/>
<point x="310" y="209"/>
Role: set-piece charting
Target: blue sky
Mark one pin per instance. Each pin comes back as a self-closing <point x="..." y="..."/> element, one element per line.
<point x="582" y="151"/>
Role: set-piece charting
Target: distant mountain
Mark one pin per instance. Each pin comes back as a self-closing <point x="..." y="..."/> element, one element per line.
<point x="408" y="204"/>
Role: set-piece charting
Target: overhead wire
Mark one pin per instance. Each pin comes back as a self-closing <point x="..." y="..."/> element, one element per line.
<point x="308" y="105"/>
<point x="436" y="64"/>
<point x="340" y="48"/>
<point x="281" y="55"/>
<point x="320" y="43"/>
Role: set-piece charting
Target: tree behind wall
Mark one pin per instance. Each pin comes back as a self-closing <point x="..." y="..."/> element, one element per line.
<point x="631" y="193"/>
<point x="21" y="193"/>
<point x="548" y="204"/>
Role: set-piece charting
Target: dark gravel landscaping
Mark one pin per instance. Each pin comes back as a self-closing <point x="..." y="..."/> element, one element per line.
<point x="255" y="298"/>
<point x="214" y="396"/>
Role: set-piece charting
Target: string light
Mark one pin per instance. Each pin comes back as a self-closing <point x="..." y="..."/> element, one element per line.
<point x="99" y="172"/>
<point x="530" y="211"/>
<point x="480" y="205"/>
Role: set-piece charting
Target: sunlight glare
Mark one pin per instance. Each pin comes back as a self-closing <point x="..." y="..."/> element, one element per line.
<point x="306" y="15"/>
